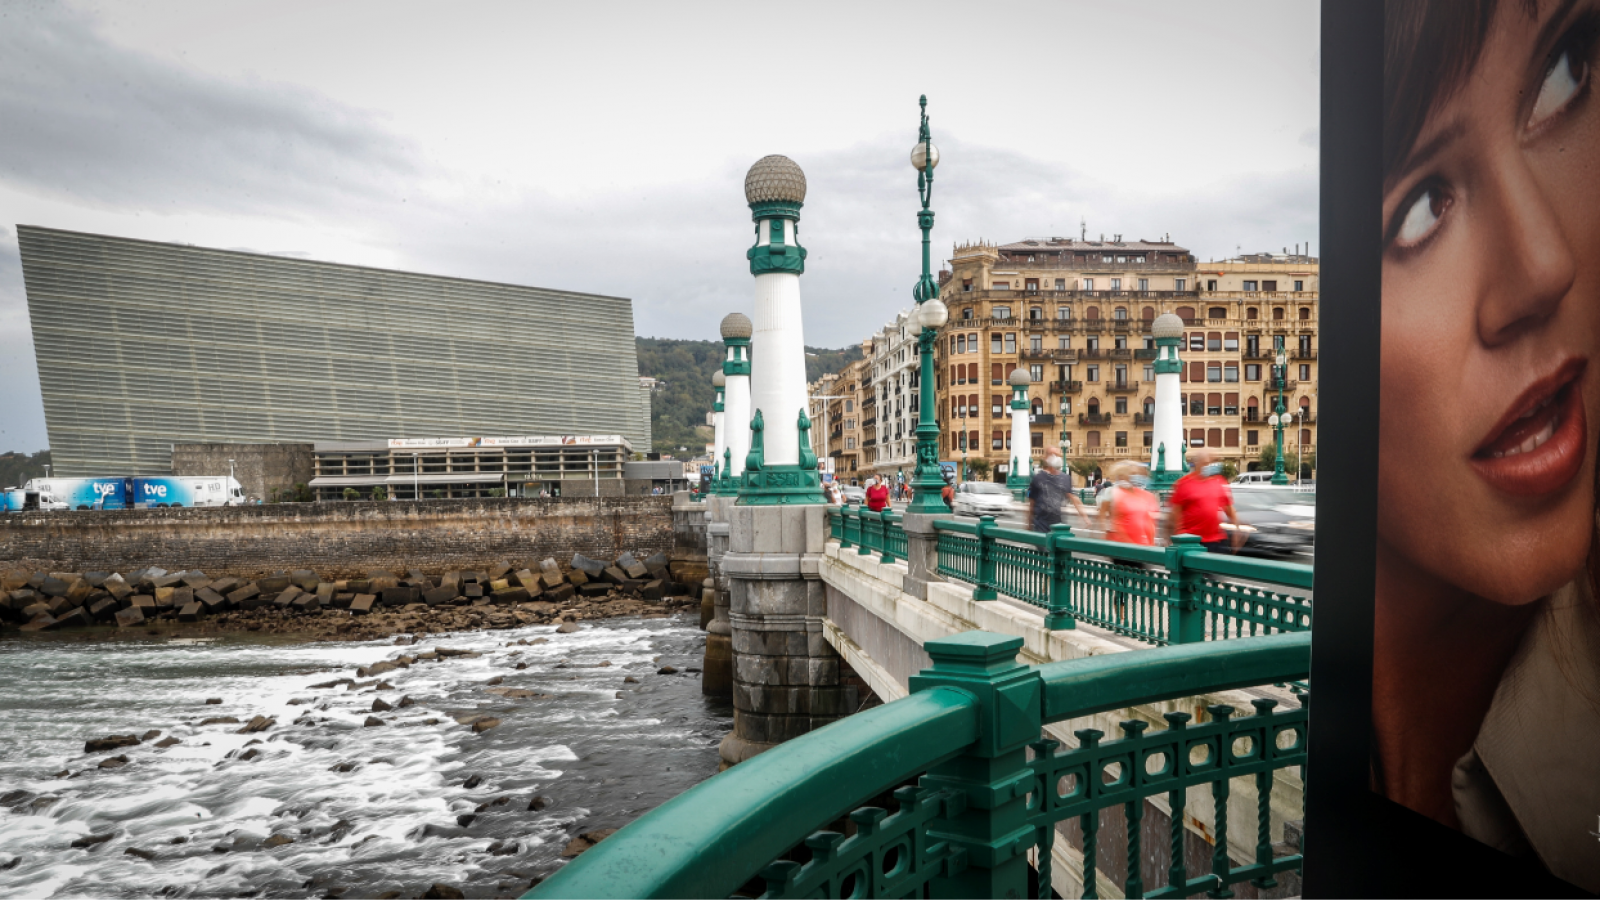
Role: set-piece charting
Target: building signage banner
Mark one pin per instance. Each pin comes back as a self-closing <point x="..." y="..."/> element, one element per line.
<point x="519" y="441"/>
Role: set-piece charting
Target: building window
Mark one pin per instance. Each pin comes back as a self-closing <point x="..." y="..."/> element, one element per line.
<point x="1149" y="407"/>
<point x="1093" y="374"/>
<point x="1213" y="373"/>
<point x="961" y="441"/>
<point x="1149" y="438"/>
<point x="1180" y="284"/>
<point x="1305" y="344"/>
<point x="1197" y="341"/>
<point x="1217" y="313"/>
<point x="1092" y="342"/>
<point x="1139" y="259"/>
<point x="1121" y="438"/>
<point x="1120" y="342"/>
<point x="1211" y="284"/>
<point x="1213" y="341"/>
<point x="1002" y="312"/>
<point x="1149" y="342"/>
<point x="1213" y="437"/>
<point x="1299" y="285"/>
<point x="849" y="444"/>
<point x="995" y="340"/>
<point x="1250" y="285"/>
<point x="1035" y="313"/>
<point x="1252" y="438"/>
<point x="1061" y="284"/>
<point x="1230" y="404"/>
<point x="1197" y="372"/>
<point x="1064" y="313"/>
<point x="1252" y="372"/>
<point x="961" y="344"/>
<point x="849" y="423"/>
<point x="1122" y="406"/>
<point x="1038" y="439"/>
<point x="1088" y="284"/>
<point x="1305" y="313"/>
<point x="997" y="374"/>
<point x="1036" y="372"/>
<point x="1277" y="313"/>
<point x="966" y="284"/>
<point x="1230" y="341"/>
<point x="1230" y="372"/>
<point x="1144" y="284"/>
<point x="1036" y="343"/>
<point x="1305" y="372"/>
<point x="998" y="441"/>
<point x="966" y="312"/>
<point x="1214" y="404"/>
<point x="1197" y="405"/>
<point x="1000" y="286"/>
<point x="997" y="405"/>
<point x="1120" y="314"/>
<point x="1063" y="343"/>
<point x="849" y="406"/>
<point x="1011" y="342"/>
<point x="1230" y="438"/>
<point x="1116" y="284"/>
<point x="1149" y="373"/>
<point x="1269" y="285"/>
<point x="1105" y="258"/>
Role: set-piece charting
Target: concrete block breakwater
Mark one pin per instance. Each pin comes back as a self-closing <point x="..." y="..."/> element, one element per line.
<point x="339" y="540"/>
<point x="532" y="593"/>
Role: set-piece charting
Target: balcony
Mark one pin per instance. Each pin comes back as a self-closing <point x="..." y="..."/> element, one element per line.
<point x="1121" y="385"/>
<point x="1120" y="353"/>
<point x="1145" y="353"/>
<point x="1092" y="353"/>
<point x="1304" y="354"/>
<point x="1067" y="385"/>
<point x="1094" y="419"/>
<point x="869" y="422"/>
<point x="1144" y="419"/>
<point x="1042" y="418"/>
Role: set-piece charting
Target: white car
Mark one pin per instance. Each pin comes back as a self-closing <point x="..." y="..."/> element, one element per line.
<point x="982" y="499"/>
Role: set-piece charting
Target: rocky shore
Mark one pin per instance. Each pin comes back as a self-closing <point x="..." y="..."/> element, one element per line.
<point x="384" y="603"/>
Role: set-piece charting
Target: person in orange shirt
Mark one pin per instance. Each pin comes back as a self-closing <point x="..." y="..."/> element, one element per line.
<point x="1128" y="511"/>
<point x="1198" y="502"/>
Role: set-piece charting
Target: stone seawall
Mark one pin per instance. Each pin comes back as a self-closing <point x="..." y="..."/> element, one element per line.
<point x="339" y="540"/>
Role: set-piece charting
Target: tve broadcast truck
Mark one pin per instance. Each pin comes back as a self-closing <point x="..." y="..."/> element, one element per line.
<point x="129" y="492"/>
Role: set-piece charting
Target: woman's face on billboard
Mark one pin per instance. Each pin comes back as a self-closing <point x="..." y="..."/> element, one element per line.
<point x="1491" y="317"/>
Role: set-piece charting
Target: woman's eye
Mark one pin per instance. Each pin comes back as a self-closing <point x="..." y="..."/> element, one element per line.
<point x="1561" y="84"/>
<point x="1422" y="217"/>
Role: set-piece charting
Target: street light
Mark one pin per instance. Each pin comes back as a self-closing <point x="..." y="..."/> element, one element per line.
<point x="930" y="314"/>
<point x="1279" y="418"/>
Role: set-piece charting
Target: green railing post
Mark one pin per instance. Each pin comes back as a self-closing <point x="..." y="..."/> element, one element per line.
<point x="984" y="590"/>
<point x="866" y="530"/>
<point x="844" y="527"/>
<point x="1186" y="622"/>
<point x="883" y="519"/>
<point x="1060" y="555"/>
<point x="993" y="775"/>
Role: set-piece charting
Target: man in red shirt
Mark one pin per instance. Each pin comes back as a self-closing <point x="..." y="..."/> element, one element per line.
<point x="1198" y="501"/>
<point x="877" y="495"/>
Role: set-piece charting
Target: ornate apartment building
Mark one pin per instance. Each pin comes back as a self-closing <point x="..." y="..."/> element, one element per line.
<point x="1076" y="314"/>
<point x="841" y="420"/>
<point x="889" y="400"/>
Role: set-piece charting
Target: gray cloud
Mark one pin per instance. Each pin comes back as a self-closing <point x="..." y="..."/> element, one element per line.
<point x="105" y="126"/>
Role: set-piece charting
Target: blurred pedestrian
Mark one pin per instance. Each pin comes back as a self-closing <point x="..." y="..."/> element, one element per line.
<point x="877" y="495"/>
<point x="1048" y="488"/>
<point x="1127" y="510"/>
<point x="1198" y="502"/>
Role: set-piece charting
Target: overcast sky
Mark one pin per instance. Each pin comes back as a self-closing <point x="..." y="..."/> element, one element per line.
<point x="602" y="147"/>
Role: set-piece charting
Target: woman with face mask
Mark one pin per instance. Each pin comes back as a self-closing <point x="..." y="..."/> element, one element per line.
<point x="1486" y="686"/>
<point x="1128" y="511"/>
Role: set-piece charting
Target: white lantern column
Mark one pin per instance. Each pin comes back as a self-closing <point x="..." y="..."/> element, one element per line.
<point x="1167" y="447"/>
<point x="1021" y="441"/>
<point x="736" y="414"/>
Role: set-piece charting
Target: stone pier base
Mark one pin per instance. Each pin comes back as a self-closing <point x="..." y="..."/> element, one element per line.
<point x="785" y="674"/>
<point x="716" y="676"/>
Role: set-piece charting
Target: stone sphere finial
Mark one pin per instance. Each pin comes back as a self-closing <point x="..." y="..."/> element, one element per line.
<point x="1020" y="377"/>
<point x="737" y="325"/>
<point x="774" y="177"/>
<point x="1167" y="325"/>
<point x="718" y="380"/>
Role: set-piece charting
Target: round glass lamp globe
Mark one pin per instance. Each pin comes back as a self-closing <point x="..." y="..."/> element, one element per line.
<point x="932" y="313"/>
<point x="924" y="156"/>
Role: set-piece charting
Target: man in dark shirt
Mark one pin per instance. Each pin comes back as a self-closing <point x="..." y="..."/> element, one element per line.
<point x="1047" y="490"/>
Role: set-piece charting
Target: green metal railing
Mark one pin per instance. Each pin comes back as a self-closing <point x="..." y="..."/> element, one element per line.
<point x="976" y="787"/>
<point x="1172" y="595"/>
<point x="869" y="532"/>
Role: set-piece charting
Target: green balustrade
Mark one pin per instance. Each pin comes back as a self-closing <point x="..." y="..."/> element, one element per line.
<point x="976" y="786"/>
<point x="1173" y="595"/>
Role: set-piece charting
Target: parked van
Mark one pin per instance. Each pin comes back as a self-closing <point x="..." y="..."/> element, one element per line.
<point x="1253" y="478"/>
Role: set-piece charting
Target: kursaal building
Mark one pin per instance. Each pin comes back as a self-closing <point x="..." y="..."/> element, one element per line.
<point x="142" y="345"/>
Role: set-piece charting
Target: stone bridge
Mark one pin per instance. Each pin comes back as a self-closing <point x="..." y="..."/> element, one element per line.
<point x="811" y="626"/>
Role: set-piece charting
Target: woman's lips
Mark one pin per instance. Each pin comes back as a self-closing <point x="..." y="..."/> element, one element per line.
<point x="1541" y="443"/>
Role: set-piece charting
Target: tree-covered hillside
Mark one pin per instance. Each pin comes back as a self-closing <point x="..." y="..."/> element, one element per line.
<point x="683" y="370"/>
<point x="16" y="468"/>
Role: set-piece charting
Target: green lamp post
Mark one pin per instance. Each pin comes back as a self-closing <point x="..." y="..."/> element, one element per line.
<point x="1063" y="429"/>
<point x="1280" y="417"/>
<point x="927" y="480"/>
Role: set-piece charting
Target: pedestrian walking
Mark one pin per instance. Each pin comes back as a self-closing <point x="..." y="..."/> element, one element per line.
<point x="1048" y="488"/>
<point x="1198" y="502"/>
<point x="1127" y="510"/>
<point x="877" y="495"/>
<point x="948" y="492"/>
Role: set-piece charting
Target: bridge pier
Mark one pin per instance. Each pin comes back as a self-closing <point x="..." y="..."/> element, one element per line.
<point x="785" y="674"/>
<point x="716" y="676"/>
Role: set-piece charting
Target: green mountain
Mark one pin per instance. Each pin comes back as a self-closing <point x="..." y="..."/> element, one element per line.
<point x="683" y="395"/>
<point x="16" y="469"/>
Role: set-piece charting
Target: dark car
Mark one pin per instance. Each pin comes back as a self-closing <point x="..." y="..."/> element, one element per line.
<point x="1278" y="522"/>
